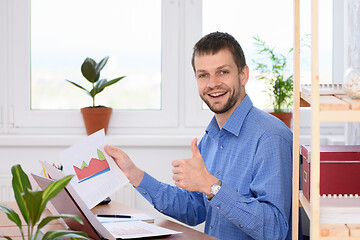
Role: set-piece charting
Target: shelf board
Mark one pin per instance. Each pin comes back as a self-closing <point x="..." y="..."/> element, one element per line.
<point x="335" y="108"/>
<point x="329" y="102"/>
<point x="332" y="102"/>
<point x="335" y="210"/>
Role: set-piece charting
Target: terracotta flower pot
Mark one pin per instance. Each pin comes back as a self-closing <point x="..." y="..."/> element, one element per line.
<point x="96" y="118"/>
<point x="285" y="117"/>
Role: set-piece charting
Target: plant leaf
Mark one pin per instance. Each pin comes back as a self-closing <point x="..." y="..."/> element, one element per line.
<point x="33" y="201"/>
<point x="99" y="85"/>
<point x="272" y="67"/>
<point x="62" y="234"/>
<point x="111" y="82"/>
<point x="12" y="215"/>
<point x="50" y="218"/>
<point x="93" y="92"/>
<point x="79" y="86"/>
<point x="20" y="182"/>
<point x="101" y="65"/>
<point x="53" y="189"/>
<point x="88" y="70"/>
<point x="2" y="236"/>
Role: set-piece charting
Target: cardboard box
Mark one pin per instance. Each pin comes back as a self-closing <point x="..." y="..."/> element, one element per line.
<point x="339" y="170"/>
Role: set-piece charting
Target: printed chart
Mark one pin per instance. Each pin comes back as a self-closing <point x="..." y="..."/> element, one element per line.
<point x="95" y="167"/>
<point x="96" y="175"/>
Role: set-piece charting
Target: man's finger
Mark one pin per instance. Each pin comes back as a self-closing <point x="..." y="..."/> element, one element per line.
<point x="176" y="163"/>
<point x="194" y="148"/>
<point x="112" y="150"/>
<point x="176" y="170"/>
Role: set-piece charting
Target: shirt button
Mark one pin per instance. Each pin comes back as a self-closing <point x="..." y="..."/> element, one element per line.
<point x="222" y="146"/>
<point x="218" y="172"/>
<point x="211" y="227"/>
<point x="218" y="207"/>
<point x="145" y="193"/>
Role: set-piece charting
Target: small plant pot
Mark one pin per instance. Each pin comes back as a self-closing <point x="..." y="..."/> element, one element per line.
<point x="96" y="118"/>
<point x="286" y="117"/>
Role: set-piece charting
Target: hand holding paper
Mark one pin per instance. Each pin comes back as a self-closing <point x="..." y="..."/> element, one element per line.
<point x="133" y="173"/>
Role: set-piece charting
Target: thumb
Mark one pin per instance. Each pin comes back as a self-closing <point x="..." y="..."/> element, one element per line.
<point x="111" y="151"/>
<point x="194" y="148"/>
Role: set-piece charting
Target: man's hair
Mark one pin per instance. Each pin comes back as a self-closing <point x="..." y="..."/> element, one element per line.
<point x="216" y="41"/>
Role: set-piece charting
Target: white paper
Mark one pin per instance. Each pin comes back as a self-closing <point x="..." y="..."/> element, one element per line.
<point x="96" y="174"/>
<point x="134" y="217"/>
<point x="136" y="229"/>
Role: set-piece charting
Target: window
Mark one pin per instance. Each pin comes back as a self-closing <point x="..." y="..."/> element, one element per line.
<point x="326" y="50"/>
<point x="159" y="55"/>
<point x="139" y="59"/>
<point x="74" y="30"/>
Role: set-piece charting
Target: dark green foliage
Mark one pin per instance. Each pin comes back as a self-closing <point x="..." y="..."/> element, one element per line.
<point x="272" y="69"/>
<point x="32" y="204"/>
<point x="91" y="71"/>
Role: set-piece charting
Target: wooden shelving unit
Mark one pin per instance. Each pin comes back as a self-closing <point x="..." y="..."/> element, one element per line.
<point x="330" y="218"/>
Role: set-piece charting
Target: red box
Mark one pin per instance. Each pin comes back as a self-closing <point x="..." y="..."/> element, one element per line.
<point x="339" y="169"/>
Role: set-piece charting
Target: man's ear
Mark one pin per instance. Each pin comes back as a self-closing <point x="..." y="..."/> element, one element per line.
<point x="244" y="75"/>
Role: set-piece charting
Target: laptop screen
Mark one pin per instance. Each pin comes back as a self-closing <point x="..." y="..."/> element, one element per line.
<point x="65" y="204"/>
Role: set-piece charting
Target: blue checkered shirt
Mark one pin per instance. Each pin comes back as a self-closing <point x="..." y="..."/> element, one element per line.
<point x="252" y="155"/>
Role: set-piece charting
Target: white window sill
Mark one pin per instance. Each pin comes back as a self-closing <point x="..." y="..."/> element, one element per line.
<point x="116" y="140"/>
<point x="129" y="140"/>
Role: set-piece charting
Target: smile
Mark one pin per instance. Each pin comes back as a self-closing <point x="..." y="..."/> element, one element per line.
<point x="217" y="94"/>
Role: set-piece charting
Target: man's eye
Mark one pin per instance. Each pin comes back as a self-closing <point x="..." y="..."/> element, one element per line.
<point x="223" y="72"/>
<point x="201" y="75"/>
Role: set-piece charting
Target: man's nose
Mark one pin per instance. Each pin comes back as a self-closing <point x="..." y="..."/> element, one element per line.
<point x="213" y="81"/>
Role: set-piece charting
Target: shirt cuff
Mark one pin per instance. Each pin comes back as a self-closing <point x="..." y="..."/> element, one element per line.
<point x="149" y="186"/>
<point x="227" y="198"/>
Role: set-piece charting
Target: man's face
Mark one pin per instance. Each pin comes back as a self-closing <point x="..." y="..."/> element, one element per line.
<point x="219" y="81"/>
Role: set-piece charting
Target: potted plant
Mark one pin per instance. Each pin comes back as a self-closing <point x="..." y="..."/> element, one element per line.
<point x="95" y="117"/>
<point x="32" y="204"/>
<point x="272" y="67"/>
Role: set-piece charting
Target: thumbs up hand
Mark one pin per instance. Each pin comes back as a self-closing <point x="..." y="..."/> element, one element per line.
<point x="192" y="174"/>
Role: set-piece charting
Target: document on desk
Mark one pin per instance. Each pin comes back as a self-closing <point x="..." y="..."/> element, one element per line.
<point x="136" y="229"/>
<point x="96" y="174"/>
<point x="128" y="218"/>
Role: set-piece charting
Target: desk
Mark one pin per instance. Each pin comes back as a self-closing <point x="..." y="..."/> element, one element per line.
<point x="10" y="229"/>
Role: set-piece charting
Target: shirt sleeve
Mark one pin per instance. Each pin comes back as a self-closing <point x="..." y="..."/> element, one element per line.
<point x="187" y="207"/>
<point x="266" y="213"/>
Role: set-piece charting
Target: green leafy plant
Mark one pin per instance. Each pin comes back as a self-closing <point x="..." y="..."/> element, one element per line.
<point x="272" y="68"/>
<point x="91" y="71"/>
<point x="32" y="204"/>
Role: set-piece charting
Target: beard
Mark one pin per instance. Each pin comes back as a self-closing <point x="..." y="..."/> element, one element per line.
<point x="219" y="109"/>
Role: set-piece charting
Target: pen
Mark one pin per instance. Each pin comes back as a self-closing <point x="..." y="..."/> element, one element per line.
<point x="113" y="216"/>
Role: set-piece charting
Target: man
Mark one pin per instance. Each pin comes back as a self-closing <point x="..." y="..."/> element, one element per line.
<point x="239" y="177"/>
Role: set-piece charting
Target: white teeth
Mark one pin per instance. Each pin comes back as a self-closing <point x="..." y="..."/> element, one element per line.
<point x="216" y="94"/>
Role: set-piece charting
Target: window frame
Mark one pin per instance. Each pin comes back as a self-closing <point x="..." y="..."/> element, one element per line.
<point x="182" y="110"/>
<point x="196" y="116"/>
<point x="19" y="59"/>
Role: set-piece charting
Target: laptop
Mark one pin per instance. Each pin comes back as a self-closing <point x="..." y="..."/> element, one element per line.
<point x="69" y="202"/>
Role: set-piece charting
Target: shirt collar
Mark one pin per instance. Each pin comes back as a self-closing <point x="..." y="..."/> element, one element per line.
<point x="236" y="120"/>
